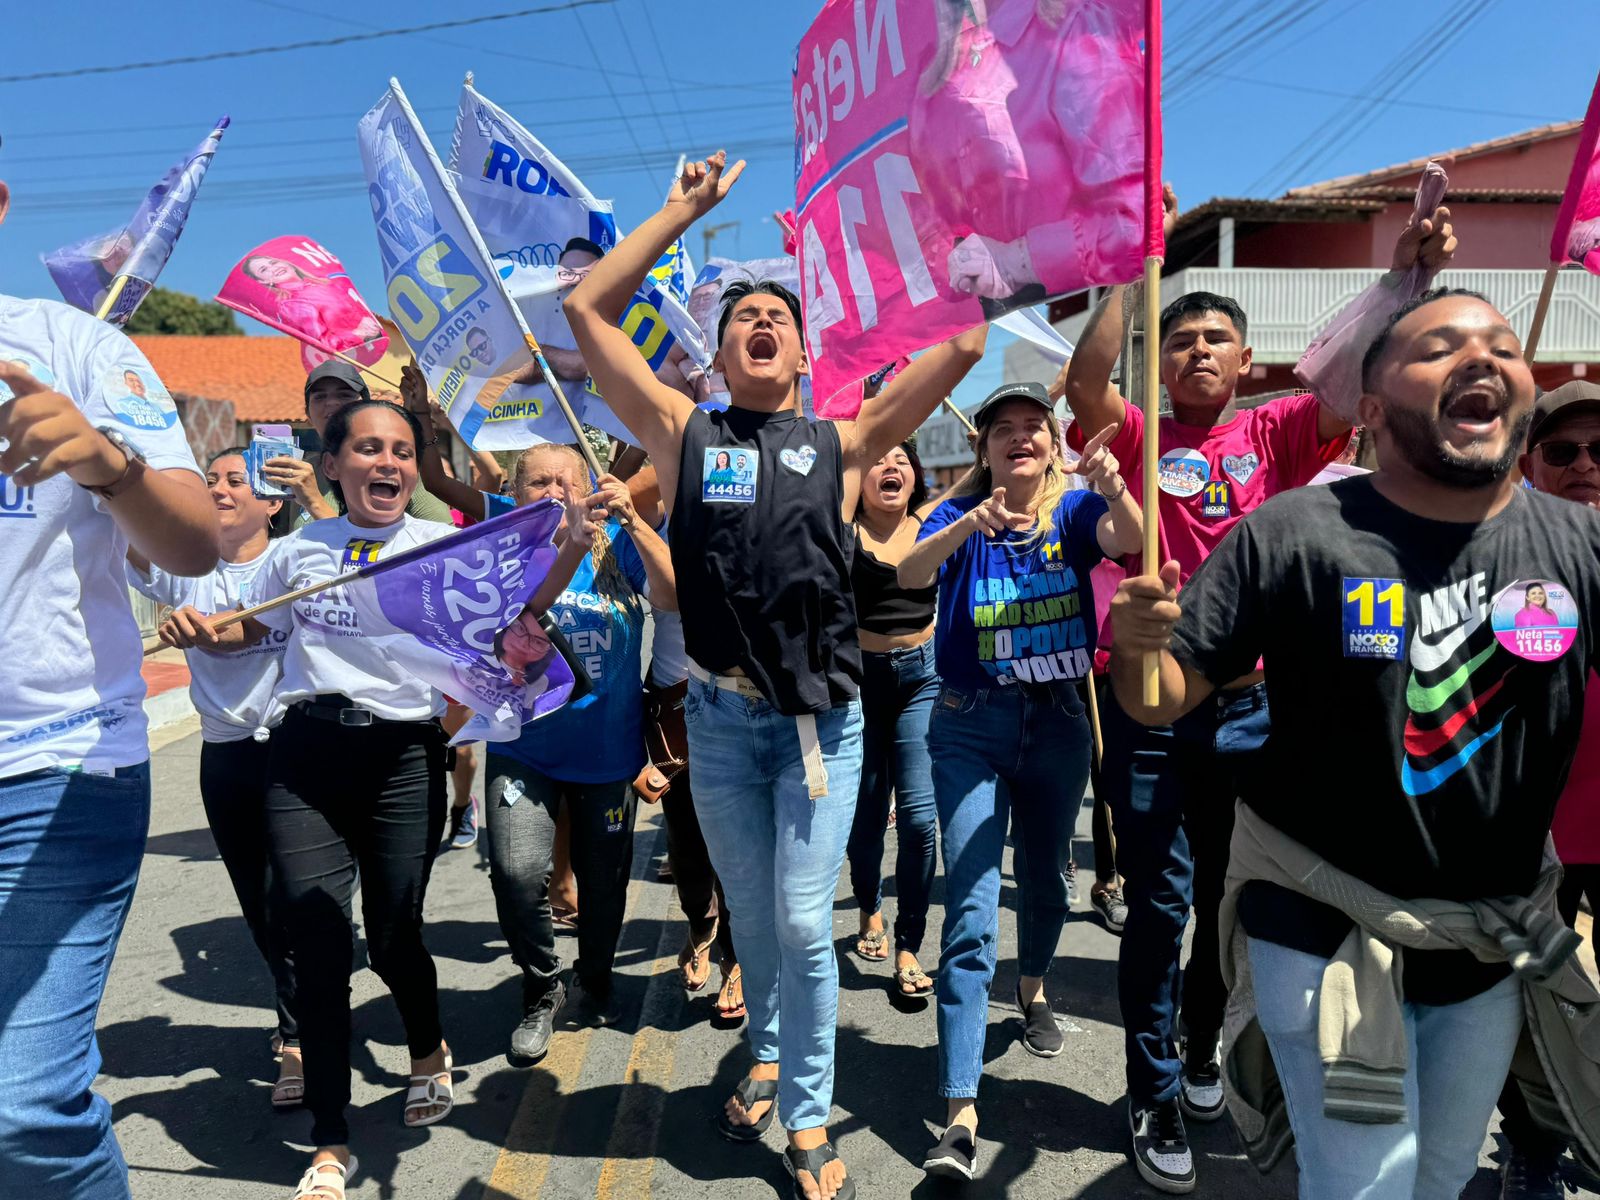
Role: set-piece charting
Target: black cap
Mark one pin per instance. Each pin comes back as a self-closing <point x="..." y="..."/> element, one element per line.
<point x="1027" y="390"/>
<point x="336" y="368"/>
<point x="1577" y="396"/>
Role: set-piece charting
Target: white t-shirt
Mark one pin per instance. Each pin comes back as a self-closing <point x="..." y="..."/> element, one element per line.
<point x="326" y="654"/>
<point x="69" y="643"/>
<point x="232" y="692"/>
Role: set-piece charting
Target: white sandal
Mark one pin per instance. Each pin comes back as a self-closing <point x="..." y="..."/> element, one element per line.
<point x="325" y="1181"/>
<point x="297" y="1082"/>
<point x="425" y="1092"/>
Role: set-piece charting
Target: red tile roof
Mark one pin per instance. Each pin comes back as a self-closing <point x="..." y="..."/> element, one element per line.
<point x="262" y="376"/>
<point x="1528" y="137"/>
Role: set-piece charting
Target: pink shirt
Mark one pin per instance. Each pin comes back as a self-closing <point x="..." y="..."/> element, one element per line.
<point x="1210" y="478"/>
<point x="1016" y="81"/>
<point x="1527" y="617"/>
<point x="1576" y="827"/>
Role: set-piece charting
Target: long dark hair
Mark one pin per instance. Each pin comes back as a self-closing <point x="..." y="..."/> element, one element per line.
<point x="919" y="487"/>
<point x="280" y="522"/>
<point x="338" y="433"/>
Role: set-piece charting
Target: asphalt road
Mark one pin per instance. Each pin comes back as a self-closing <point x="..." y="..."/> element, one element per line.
<point x="613" y="1113"/>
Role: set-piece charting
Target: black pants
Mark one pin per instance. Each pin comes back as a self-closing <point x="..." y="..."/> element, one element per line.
<point x="520" y="820"/>
<point x="1523" y="1135"/>
<point x="233" y="788"/>
<point x="699" y="889"/>
<point x="1105" y="849"/>
<point x="340" y="798"/>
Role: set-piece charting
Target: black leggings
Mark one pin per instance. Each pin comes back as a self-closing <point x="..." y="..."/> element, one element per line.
<point x="699" y="889"/>
<point x="233" y="788"/>
<point x="340" y="798"/>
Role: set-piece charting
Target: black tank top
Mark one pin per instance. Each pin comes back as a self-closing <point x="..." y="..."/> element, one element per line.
<point x="763" y="559"/>
<point x="882" y="605"/>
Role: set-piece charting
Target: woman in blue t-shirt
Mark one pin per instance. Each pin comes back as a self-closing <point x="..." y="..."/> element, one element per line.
<point x="584" y="755"/>
<point x="1011" y="548"/>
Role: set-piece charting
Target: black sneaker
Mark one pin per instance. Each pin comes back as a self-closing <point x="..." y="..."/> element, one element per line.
<point x="1160" y="1146"/>
<point x="1111" y="907"/>
<point x="1041" y="1036"/>
<point x="1200" y="1081"/>
<point x="530" y="1040"/>
<point x="956" y="1155"/>
<point x="585" y="1010"/>
<point x="1529" y="1177"/>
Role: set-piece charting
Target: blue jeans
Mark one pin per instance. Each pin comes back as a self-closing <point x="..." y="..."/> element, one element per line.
<point x="1005" y="753"/>
<point x="70" y="848"/>
<point x="1171" y="789"/>
<point x="896" y="700"/>
<point x="1459" y="1057"/>
<point x="778" y="854"/>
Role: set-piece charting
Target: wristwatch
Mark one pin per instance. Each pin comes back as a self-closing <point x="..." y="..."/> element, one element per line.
<point x="111" y="490"/>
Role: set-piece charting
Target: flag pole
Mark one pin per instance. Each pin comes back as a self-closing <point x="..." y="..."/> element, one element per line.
<point x="959" y="415"/>
<point x="110" y="302"/>
<point x="1540" y="311"/>
<point x="342" y="357"/>
<point x="1154" y="238"/>
<point x="494" y="277"/>
<point x="310" y="589"/>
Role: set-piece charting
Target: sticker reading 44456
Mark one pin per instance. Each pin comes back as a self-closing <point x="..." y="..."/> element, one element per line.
<point x="729" y="475"/>
<point x="1374" y="618"/>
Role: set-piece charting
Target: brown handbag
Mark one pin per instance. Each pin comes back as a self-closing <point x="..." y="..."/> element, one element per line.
<point x="666" y="741"/>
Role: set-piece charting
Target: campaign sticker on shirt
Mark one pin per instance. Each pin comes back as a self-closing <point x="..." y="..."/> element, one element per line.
<point x="1242" y="466"/>
<point x="729" y="476"/>
<point x="137" y="398"/>
<point x="1374" y="618"/>
<point x="29" y="364"/>
<point x="1216" y="500"/>
<point x="1183" y="473"/>
<point x="1535" y="619"/>
<point x="361" y="552"/>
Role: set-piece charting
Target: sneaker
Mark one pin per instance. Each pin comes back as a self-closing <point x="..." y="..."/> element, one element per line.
<point x="1160" y="1146"/>
<point x="1200" y="1084"/>
<point x="464" y="825"/>
<point x="1113" y="909"/>
<point x="530" y="1040"/>
<point x="1041" y="1036"/>
<point x="1071" y="876"/>
<point x="1526" y="1177"/>
<point x="585" y="1010"/>
<point x="956" y="1155"/>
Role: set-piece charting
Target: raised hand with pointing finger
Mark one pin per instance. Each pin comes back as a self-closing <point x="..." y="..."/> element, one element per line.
<point x="1098" y="466"/>
<point x="994" y="518"/>
<point x="704" y="184"/>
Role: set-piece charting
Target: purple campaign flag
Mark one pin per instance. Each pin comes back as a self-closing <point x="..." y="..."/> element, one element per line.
<point x="108" y="275"/>
<point x="454" y="613"/>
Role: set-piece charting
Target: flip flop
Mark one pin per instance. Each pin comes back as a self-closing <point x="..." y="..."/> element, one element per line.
<point x="812" y="1162"/>
<point x="916" y="977"/>
<point x="694" y="961"/>
<point x="750" y="1093"/>
<point x="731" y="980"/>
<point x="873" y="940"/>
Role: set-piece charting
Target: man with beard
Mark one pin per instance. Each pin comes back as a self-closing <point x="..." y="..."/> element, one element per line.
<point x="1383" y="610"/>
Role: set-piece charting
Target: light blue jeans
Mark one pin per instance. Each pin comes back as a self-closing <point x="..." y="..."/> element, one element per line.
<point x="70" y="848"/>
<point x="1459" y="1057"/>
<point x="779" y="854"/>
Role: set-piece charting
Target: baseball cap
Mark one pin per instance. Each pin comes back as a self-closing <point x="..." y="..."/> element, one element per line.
<point x="1579" y="395"/>
<point x="1027" y="390"/>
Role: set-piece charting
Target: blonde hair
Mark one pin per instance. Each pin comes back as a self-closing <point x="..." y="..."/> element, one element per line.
<point x="979" y="481"/>
<point x="609" y="581"/>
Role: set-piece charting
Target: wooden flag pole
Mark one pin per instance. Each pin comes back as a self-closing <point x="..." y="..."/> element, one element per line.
<point x="1540" y="311"/>
<point x="959" y="415"/>
<point x="110" y="302"/>
<point x="310" y="589"/>
<point x="364" y="370"/>
<point x="1094" y="720"/>
<point x="1152" y="439"/>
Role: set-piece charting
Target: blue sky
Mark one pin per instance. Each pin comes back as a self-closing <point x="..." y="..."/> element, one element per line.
<point x="619" y="89"/>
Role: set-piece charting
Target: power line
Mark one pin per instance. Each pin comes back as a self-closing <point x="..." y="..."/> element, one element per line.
<point x="1395" y="103"/>
<point x="650" y="100"/>
<point x="606" y="79"/>
<point x="346" y="39"/>
<point x="666" y="69"/>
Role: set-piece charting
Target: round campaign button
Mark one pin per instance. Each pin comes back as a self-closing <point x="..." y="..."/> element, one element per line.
<point x="1535" y="619"/>
<point x="1183" y="472"/>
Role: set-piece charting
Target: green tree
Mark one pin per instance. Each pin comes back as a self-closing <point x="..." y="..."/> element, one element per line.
<point x="176" y="312"/>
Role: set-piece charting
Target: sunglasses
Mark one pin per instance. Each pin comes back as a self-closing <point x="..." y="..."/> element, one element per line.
<point x="1564" y="454"/>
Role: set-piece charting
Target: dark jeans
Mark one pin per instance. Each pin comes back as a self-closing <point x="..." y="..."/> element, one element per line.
<point x="1171" y="790"/>
<point x="520" y="820"/>
<point x="233" y="788"/>
<point x="897" y="693"/>
<point x="340" y="799"/>
<point x="699" y="890"/>
<point x="1516" y="1122"/>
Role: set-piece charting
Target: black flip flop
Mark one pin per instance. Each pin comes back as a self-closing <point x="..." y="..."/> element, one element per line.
<point x="798" y="1160"/>
<point x="750" y="1093"/>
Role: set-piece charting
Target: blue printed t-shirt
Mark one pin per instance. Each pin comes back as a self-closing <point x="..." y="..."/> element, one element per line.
<point x="600" y="738"/>
<point x="1010" y="612"/>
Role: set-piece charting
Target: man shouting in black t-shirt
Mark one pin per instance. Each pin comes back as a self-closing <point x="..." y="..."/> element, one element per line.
<point x="1436" y="622"/>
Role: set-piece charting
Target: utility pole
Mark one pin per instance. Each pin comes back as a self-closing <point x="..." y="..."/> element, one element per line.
<point x="711" y="231"/>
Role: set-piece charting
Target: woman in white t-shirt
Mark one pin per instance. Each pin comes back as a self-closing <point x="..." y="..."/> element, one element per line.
<point x="233" y="694"/>
<point x="355" y="782"/>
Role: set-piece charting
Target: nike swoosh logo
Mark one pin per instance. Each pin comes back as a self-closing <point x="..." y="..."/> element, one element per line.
<point x="1431" y="658"/>
<point x="1421" y="743"/>
<point x="1419" y="783"/>
<point x="1429" y="699"/>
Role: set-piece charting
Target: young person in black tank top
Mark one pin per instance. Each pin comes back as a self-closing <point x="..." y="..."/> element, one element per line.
<point x="899" y="683"/>
<point x="761" y="547"/>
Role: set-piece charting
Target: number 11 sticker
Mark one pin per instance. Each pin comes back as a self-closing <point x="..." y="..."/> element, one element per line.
<point x="1374" y="618"/>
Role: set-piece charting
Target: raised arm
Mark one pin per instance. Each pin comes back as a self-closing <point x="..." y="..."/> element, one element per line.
<point x="430" y="464"/>
<point x="654" y="412"/>
<point x="584" y="517"/>
<point x="895" y="413"/>
<point x="657" y="561"/>
<point x="1121" y="530"/>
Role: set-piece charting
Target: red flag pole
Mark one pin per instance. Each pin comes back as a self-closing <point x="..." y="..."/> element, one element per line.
<point x="1155" y="252"/>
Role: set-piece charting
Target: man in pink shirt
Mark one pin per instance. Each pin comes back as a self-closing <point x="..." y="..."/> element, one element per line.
<point x="1563" y="444"/>
<point x="1172" y="789"/>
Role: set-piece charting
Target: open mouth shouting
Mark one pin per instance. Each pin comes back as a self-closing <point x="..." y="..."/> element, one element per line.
<point x="762" y="346"/>
<point x="1474" y="411"/>
<point x="384" y="493"/>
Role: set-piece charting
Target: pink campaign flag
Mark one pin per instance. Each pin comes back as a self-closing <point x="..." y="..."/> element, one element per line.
<point x="293" y="284"/>
<point x="959" y="159"/>
<point x="1577" y="233"/>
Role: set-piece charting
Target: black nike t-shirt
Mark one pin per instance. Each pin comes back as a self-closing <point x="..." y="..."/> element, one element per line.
<point x="1426" y="680"/>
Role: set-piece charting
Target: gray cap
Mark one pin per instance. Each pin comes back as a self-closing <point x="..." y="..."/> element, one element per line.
<point x="336" y="368"/>
<point x="1027" y="390"/>
<point x="1577" y="396"/>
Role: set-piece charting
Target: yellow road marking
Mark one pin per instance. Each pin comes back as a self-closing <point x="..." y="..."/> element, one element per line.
<point x="525" y="1158"/>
